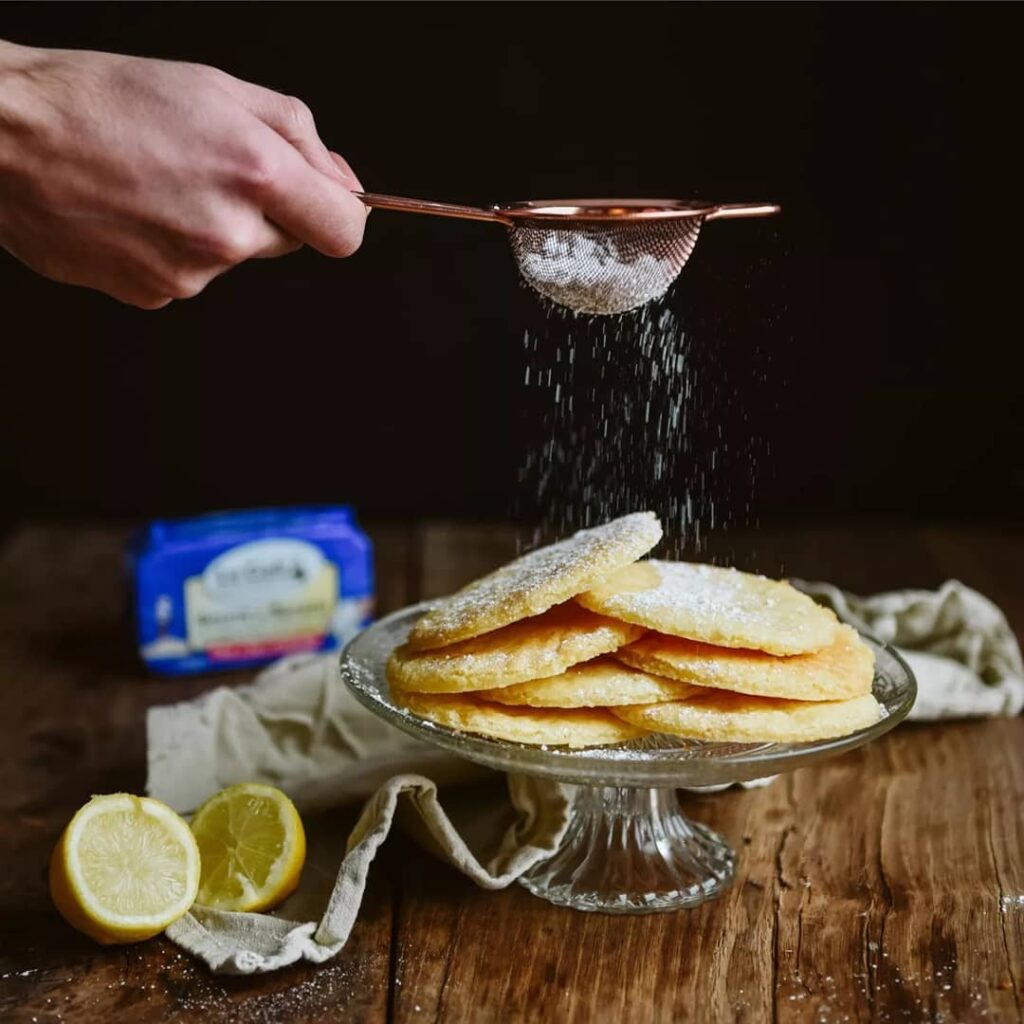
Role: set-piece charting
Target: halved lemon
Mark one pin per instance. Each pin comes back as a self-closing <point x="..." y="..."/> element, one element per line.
<point x="252" y="846"/>
<point x="125" y="868"/>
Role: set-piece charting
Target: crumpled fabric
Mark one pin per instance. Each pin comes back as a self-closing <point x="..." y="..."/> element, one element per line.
<point x="297" y="727"/>
<point x="956" y="641"/>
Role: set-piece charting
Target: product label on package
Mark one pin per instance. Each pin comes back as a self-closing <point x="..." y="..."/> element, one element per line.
<point x="265" y="591"/>
<point x="232" y="590"/>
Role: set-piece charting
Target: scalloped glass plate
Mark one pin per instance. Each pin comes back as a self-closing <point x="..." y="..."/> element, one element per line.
<point x="651" y="761"/>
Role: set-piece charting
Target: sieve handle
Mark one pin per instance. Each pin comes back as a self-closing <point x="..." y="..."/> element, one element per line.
<point x="742" y="210"/>
<point x="380" y="202"/>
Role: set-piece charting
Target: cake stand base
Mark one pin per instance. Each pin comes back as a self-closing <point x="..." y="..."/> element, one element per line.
<point x="632" y="851"/>
<point x="629" y="849"/>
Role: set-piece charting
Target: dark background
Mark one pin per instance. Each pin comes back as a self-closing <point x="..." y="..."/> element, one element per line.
<point x="871" y="334"/>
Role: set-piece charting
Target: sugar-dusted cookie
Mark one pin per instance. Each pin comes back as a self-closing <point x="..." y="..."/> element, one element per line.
<point x="575" y="727"/>
<point x="602" y="682"/>
<point x="537" y="581"/>
<point x="723" y="717"/>
<point x="714" y="605"/>
<point x="542" y="645"/>
<point x="843" y="669"/>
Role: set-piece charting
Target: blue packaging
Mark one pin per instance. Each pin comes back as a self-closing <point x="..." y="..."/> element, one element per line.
<point x="237" y="589"/>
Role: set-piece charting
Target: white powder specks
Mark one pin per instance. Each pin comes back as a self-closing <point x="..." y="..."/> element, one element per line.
<point x="625" y="413"/>
<point x="1008" y="902"/>
<point x="581" y="276"/>
<point x="603" y="268"/>
<point x="538" y="580"/>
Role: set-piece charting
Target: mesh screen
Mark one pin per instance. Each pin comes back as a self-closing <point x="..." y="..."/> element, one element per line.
<point x="603" y="268"/>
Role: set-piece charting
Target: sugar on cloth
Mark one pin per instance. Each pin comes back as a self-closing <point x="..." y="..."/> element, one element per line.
<point x="297" y="727"/>
<point x="490" y="843"/>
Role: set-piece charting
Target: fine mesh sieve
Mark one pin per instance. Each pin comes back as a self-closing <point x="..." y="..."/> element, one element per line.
<point x="598" y="256"/>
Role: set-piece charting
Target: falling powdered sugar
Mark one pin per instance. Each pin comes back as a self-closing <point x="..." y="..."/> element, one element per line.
<point x="629" y="412"/>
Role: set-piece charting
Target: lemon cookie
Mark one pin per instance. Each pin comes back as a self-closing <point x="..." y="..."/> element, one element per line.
<point x="714" y="605"/>
<point x="543" y="645"/>
<point x="843" y="669"/>
<point x="594" y="684"/>
<point x="722" y="717"/>
<point x="576" y="727"/>
<point x="537" y="581"/>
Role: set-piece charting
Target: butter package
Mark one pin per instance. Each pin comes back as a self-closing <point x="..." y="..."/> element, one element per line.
<point x="238" y="589"/>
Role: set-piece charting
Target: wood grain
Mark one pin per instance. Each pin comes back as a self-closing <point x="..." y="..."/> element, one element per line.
<point x="887" y="884"/>
<point x="74" y="711"/>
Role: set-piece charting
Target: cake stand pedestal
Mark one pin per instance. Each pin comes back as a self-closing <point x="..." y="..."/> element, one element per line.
<point x="629" y="849"/>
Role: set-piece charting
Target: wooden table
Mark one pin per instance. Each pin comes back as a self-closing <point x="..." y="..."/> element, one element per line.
<point x="887" y="885"/>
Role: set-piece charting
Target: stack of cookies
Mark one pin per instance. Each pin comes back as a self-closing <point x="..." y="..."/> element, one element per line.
<point x="580" y="644"/>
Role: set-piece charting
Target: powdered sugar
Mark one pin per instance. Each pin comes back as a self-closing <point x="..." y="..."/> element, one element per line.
<point x="604" y="268"/>
<point x="537" y="581"/>
<point x="652" y="760"/>
<point x="716" y="606"/>
<point x="578" y="272"/>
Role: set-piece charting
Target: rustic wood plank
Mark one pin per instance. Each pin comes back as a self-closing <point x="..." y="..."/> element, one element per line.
<point x="864" y="560"/>
<point x="453" y="554"/>
<point x="865" y="886"/>
<point x="890" y="893"/>
<point x="990" y="560"/>
<point x="75" y="701"/>
<point x="396" y="565"/>
<point x="870" y="888"/>
<point x="491" y="954"/>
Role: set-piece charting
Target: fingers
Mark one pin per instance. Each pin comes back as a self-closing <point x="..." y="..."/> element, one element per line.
<point x="92" y="262"/>
<point x="351" y="182"/>
<point x="255" y="237"/>
<point x="150" y="275"/>
<point x="120" y="282"/>
<point x="152" y="272"/>
<point x="278" y="243"/>
<point x="309" y="206"/>
<point x="292" y="120"/>
<point x="305" y="189"/>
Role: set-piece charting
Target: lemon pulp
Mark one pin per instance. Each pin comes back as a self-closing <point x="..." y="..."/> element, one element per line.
<point x="125" y="868"/>
<point x="252" y="847"/>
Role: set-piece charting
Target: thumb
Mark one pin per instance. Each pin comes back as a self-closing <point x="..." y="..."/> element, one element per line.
<point x="351" y="181"/>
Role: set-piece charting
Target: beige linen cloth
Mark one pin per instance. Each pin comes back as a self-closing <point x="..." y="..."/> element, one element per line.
<point x="297" y="727"/>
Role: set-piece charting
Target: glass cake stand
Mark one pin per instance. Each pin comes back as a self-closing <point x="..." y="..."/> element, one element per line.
<point x="629" y="848"/>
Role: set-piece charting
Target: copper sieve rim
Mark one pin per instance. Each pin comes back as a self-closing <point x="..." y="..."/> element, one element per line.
<point x="574" y="211"/>
<point x="607" y="211"/>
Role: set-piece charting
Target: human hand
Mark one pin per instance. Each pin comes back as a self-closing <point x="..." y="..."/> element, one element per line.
<point x="146" y="179"/>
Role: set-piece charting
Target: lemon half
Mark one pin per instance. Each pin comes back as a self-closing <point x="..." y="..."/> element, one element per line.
<point x="252" y="846"/>
<point x="125" y="868"/>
